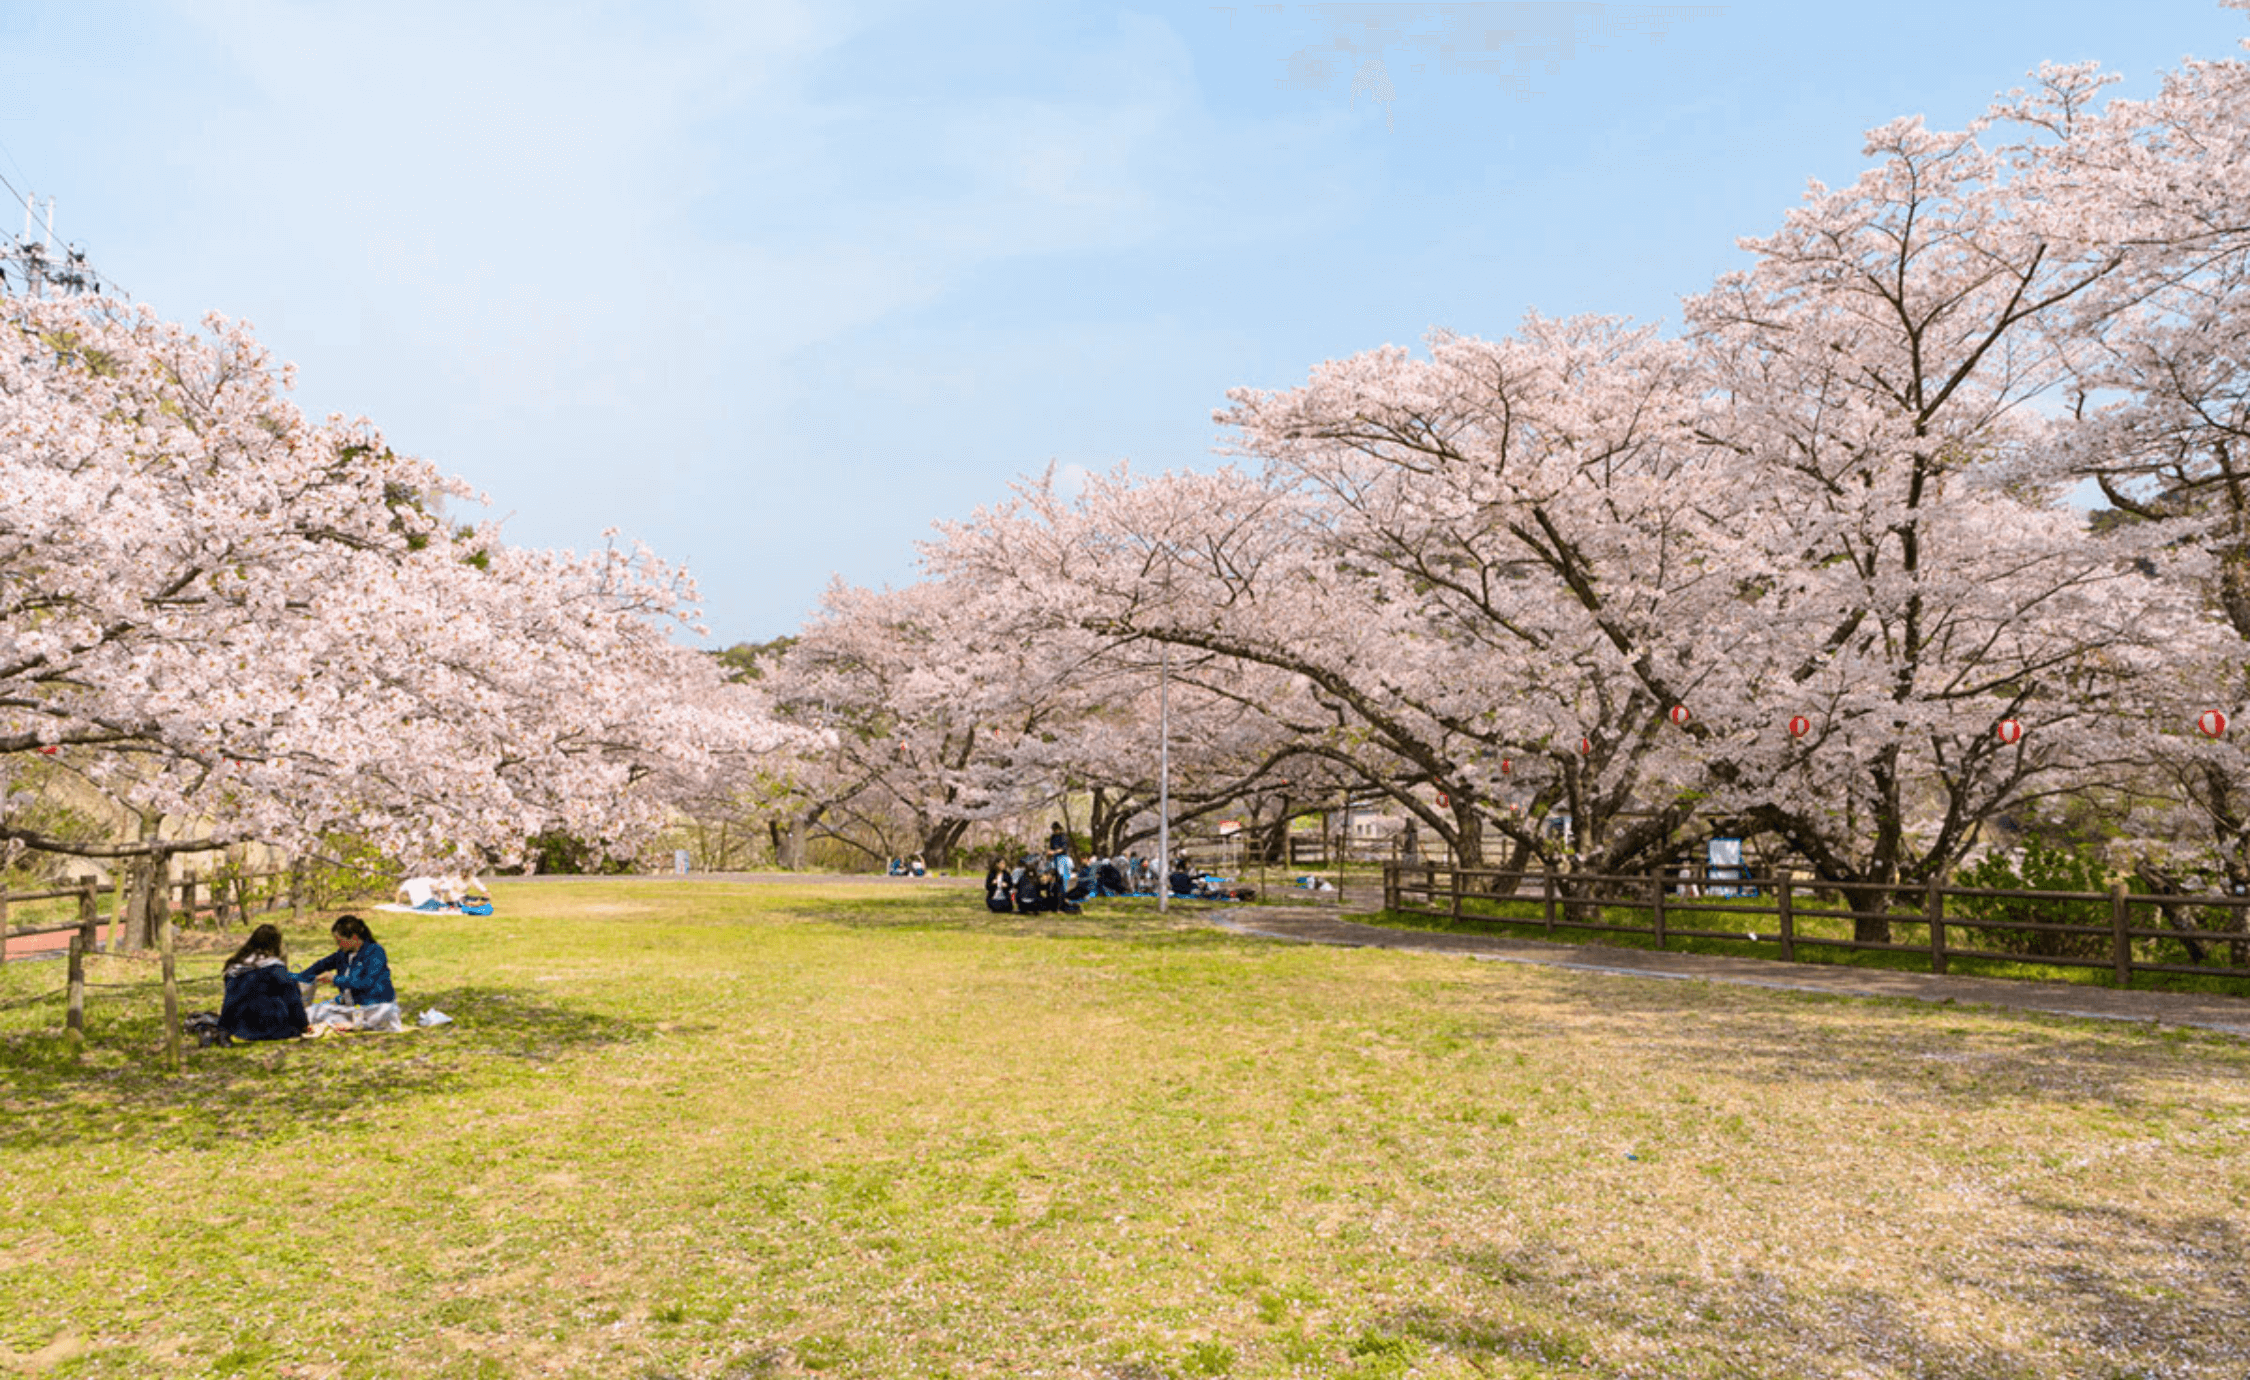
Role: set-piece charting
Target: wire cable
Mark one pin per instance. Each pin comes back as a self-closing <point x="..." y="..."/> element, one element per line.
<point x="23" y="245"/>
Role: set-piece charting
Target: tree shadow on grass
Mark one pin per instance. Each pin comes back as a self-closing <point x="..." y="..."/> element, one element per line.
<point x="2106" y="1284"/>
<point x="1905" y="1051"/>
<point x="259" y="1092"/>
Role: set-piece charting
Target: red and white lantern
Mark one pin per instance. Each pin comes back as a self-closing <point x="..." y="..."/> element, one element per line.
<point x="1678" y="715"/>
<point x="2213" y="723"/>
<point x="1444" y="801"/>
<point x="49" y="750"/>
<point x="1799" y="725"/>
<point x="1506" y="766"/>
<point x="2010" y="730"/>
<point x="1585" y="747"/>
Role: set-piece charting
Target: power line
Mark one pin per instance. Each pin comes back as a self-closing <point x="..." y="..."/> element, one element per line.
<point x="31" y="267"/>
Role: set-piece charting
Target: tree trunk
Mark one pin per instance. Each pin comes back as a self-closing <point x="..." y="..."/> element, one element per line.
<point x="1890" y="846"/>
<point x="151" y="901"/>
<point x="939" y="841"/>
<point x="1468" y="835"/>
<point x="1273" y="839"/>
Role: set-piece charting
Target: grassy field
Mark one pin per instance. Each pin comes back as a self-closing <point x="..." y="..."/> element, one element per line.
<point x="693" y="1129"/>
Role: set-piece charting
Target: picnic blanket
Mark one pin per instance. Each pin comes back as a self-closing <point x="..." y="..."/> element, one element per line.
<point x="382" y="1015"/>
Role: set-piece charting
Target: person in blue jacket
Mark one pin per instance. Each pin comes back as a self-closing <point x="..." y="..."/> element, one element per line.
<point x="262" y="1001"/>
<point x="362" y="971"/>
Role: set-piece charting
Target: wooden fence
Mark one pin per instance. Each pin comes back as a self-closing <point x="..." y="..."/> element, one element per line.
<point x="2116" y="930"/>
<point x="238" y="895"/>
<point x="225" y="895"/>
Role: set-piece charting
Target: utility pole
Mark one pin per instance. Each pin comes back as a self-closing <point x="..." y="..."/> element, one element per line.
<point x="30" y="264"/>
<point x="1164" y="783"/>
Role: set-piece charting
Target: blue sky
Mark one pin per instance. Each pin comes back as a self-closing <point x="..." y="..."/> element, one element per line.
<point x="772" y="287"/>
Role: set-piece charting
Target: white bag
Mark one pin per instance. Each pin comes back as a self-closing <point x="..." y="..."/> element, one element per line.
<point x="433" y="1016"/>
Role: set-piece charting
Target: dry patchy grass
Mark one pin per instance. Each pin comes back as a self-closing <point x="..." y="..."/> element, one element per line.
<point x="689" y="1129"/>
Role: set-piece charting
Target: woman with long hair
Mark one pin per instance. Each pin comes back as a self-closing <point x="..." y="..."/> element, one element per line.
<point x="262" y="1000"/>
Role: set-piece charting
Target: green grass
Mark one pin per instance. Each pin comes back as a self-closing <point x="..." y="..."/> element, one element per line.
<point x="1525" y="919"/>
<point x="696" y="1129"/>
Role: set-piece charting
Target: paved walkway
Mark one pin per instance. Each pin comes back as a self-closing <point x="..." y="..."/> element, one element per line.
<point x="51" y="944"/>
<point x="1324" y="926"/>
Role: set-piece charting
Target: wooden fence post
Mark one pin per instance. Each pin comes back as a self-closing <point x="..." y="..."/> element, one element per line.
<point x="1933" y="914"/>
<point x="3" y="923"/>
<point x="89" y="915"/>
<point x="74" y="1009"/>
<point x="1547" y="896"/>
<point x="159" y="903"/>
<point x="187" y="893"/>
<point x="1454" y="873"/>
<point x="171" y="998"/>
<point x="1656" y="908"/>
<point x="117" y="910"/>
<point x="1788" y="919"/>
<point x="1390" y="885"/>
<point x="2120" y="943"/>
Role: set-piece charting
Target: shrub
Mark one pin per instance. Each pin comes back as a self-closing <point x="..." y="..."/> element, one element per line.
<point x="2039" y="868"/>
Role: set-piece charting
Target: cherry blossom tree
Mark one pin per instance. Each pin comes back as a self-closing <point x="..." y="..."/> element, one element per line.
<point x="221" y="611"/>
<point x="1875" y="366"/>
<point x="1230" y="566"/>
<point x="929" y="691"/>
<point x="2160" y="407"/>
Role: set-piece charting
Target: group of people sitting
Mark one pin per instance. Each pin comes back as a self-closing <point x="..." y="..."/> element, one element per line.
<point x="908" y="867"/>
<point x="1057" y="880"/>
<point x="453" y="893"/>
<point x="266" y="1001"/>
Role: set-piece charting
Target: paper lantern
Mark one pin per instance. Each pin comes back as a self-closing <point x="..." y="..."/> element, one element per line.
<point x="49" y="750"/>
<point x="1506" y="766"/>
<point x="2213" y="723"/>
<point x="1585" y="747"/>
<point x="1679" y="715"/>
<point x="1799" y="725"/>
<point x="2010" y="730"/>
<point x="1444" y="801"/>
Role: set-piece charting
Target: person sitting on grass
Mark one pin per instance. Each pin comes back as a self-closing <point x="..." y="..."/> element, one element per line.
<point x="999" y="888"/>
<point x="262" y="1000"/>
<point x="362" y="971"/>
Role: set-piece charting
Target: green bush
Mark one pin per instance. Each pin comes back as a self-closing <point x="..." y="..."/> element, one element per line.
<point x="562" y="854"/>
<point x="2041" y="868"/>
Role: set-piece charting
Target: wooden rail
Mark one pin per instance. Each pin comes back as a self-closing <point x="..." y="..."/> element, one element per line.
<point x="85" y="930"/>
<point x="2133" y="934"/>
<point x="188" y="898"/>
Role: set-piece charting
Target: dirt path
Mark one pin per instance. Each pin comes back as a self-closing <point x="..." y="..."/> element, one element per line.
<point x="1325" y="926"/>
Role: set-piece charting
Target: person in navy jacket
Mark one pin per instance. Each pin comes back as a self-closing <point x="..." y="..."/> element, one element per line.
<point x="262" y="1001"/>
<point x="362" y="971"/>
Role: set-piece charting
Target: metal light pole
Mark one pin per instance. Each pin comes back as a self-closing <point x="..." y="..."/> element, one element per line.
<point x="1164" y="783"/>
